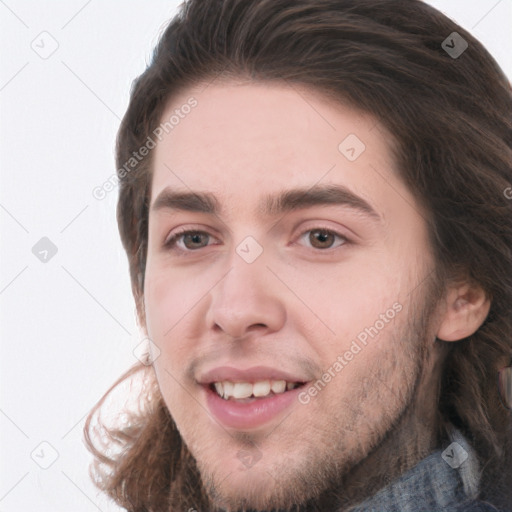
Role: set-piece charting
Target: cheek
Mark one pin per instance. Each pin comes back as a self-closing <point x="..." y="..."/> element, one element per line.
<point x="349" y="301"/>
<point x="166" y="307"/>
<point x="170" y="296"/>
<point x="167" y="303"/>
<point x="161" y="302"/>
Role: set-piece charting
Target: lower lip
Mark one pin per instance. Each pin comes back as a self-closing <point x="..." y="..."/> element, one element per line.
<point x="249" y="415"/>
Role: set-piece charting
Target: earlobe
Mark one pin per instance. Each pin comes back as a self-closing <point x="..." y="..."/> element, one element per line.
<point x="466" y="309"/>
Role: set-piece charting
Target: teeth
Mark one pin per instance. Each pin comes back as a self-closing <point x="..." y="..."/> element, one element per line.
<point x="241" y="390"/>
<point x="228" y="389"/>
<point x="278" y="386"/>
<point x="219" y="388"/>
<point x="261" y="388"/>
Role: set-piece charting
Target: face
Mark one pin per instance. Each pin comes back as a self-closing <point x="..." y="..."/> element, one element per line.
<point x="284" y="286"/>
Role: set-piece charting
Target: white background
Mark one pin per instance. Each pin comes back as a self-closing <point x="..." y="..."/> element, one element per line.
<point x="68" y="326"/>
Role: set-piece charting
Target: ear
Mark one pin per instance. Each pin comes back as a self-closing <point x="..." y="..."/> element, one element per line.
<point x="466" y="308"/>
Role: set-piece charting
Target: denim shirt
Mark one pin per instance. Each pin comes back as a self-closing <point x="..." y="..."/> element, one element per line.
<point x="447" y="480"/>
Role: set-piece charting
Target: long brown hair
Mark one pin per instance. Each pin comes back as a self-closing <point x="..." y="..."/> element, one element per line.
<point x="451" y="121"/>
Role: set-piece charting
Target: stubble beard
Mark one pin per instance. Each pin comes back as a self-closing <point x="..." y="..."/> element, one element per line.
<point x="322" y="479"/>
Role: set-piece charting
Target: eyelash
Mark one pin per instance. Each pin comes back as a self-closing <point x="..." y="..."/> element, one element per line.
<point x="170" y="244"/>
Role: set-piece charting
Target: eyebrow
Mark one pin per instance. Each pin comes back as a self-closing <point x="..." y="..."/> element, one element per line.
<point x="271" y="205"/>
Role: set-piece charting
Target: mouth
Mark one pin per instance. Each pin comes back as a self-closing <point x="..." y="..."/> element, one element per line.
<point x="249" y="399"/>
<point x="247" y="392"/>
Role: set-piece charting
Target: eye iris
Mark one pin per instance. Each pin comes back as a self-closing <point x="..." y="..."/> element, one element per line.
<point x="193" y="239"/>
<point x="319" y="238"/>
<point x="325" y="238"/>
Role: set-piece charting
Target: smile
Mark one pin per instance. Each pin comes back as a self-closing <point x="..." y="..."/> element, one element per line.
<point x="250" y="398"/>
<point x="247" y="390"/>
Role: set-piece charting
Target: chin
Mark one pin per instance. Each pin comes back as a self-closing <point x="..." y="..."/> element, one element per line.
<point x="270" y="483"/>
<point x="250" y="491"/>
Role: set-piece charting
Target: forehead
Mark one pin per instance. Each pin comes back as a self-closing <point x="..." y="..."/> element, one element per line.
<point x="249" y="139"/>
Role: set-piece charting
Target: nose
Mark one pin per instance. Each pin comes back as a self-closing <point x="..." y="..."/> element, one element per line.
<point x="248" y="298"/>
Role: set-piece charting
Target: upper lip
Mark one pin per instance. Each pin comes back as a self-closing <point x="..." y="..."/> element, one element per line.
<point x="252" y="374"/>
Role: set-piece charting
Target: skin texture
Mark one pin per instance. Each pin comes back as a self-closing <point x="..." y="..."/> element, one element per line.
<point x="303" y="301"/>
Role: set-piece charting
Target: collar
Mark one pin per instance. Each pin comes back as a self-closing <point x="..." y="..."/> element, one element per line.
<point x="444" y="480"/>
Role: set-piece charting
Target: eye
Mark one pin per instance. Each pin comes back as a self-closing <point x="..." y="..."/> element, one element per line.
<point x="322" y="238"/>
<point x="188" y="240"/>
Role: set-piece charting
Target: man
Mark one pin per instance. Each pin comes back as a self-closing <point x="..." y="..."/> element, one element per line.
<point x="313" y="203"/>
